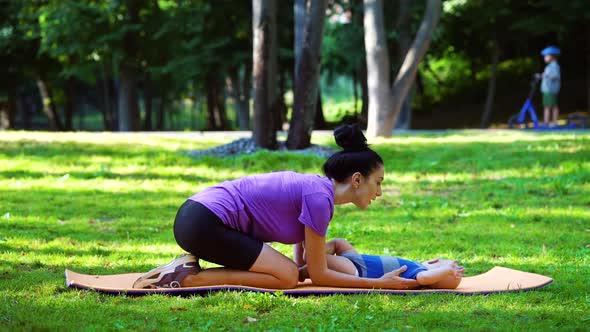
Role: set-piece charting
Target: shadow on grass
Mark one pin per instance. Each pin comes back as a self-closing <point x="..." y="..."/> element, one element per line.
<point x="105" y="174"/>
<point x="113" y="262"/>
<point x="479" y="156"/>
<point x="431" y="156"/>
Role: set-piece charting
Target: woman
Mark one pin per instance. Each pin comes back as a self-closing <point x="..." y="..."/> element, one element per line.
<point x="228" y="224"/>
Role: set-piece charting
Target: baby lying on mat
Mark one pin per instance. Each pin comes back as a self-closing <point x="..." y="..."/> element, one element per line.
<point x="434" y="273"/>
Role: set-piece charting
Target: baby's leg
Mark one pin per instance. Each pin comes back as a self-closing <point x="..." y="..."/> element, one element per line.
<point x="341" y="264"/>
<point x="339" y="246"/>
<point x="450" y="282"/>
<point x="446" y="274"/>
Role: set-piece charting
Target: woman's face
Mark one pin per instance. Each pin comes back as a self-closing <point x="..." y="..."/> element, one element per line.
<point x="367" y="188"/>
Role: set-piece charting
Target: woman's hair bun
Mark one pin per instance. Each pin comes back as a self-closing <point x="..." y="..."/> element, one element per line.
<point x="350" y="138"/>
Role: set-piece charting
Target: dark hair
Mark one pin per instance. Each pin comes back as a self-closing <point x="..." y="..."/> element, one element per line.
<point x="356" y="155"/>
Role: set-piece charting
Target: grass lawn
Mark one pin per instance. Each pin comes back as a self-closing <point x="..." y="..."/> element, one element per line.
<point x="105" y="203"/>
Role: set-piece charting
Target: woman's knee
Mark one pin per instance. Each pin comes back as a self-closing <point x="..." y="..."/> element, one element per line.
<point x="279" y="266"/>
<point x="287" y="273"/>
<point x="289" y="276"/>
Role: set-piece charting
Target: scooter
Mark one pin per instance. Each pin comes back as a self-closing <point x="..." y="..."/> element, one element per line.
<point x="574" y="121"/>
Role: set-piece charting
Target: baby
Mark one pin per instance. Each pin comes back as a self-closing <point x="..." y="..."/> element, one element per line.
<point x="435" y="273"/>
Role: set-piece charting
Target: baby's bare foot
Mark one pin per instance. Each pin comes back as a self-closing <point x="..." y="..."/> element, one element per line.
<point x="456" y="270"/>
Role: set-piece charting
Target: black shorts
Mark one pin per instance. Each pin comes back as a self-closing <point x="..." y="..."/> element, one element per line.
<point x="200" y="232"/>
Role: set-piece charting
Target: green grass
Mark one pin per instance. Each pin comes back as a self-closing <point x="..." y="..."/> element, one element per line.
<point x="105" y="203"/>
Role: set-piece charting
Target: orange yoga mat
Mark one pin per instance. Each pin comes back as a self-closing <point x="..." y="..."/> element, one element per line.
<point x="498" y="279"/>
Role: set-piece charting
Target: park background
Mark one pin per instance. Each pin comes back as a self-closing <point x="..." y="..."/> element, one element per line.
<point x="188" y="65"/>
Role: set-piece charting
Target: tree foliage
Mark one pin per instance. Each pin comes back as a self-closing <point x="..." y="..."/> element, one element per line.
<point x="185" y="51"/>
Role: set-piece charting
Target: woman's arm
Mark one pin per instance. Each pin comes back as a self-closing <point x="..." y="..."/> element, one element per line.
<point x="317" y="267"/>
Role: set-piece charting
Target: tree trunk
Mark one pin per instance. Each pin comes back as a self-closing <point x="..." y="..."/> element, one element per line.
<point x="233" y="87"/>
<point x="211" y="102"/>
<point x="239" y="90"/>
<point x="355" y="93"/>
<point x="404" y="119"/>
<point x="263" y="12"/>
<point x="148" y="97"/>
<point x="364" y="96"/>
<point x="319" y="122"/>
<point x="279" y="108"/>
<point x="403" y="45"/>
<point x="307" y="78"/>
<point x="489" y="105"/>
<point x="588" y="64"/>
<point x="48" y="106"/>
<point x="244" y="106"/>
<point x="27" y="108"/>
<point x="377" y="67"/>
<point x="161" y="112"/>
<point x="8" y="109"/>
<point x="217" y="117"/>
<point x="70" y="102"/>
<point x="300" y="15"/>
<point x="129" y="119"/>
<point x="128" y="103"/>
<point x="5" y="121"/>
<point x="274" y="95"/>
<point x="107" y="110"/>
<point x="221" y="110"/>
<point x="407" y="74"/>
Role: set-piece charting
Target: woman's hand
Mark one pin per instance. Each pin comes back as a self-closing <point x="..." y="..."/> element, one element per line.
<point x="392" y="280"/>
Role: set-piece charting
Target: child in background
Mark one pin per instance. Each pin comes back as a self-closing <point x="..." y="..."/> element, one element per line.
<point x="550" y="84"/>
<point x="435" y="273"/>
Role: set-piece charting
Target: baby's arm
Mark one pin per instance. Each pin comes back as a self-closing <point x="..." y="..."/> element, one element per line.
<point x="298" y="254"/>
<point x="432" y="276"/>
<point x="339" y="246"/>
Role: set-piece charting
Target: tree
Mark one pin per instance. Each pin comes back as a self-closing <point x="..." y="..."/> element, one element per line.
<point x="404" y="42"/>
<point x="384" y="102"/>
<point x="129" y="71"/>
<point x="10" y="53"/>
<point x="300" y="15"/>
<point x="239" y="72"/>
<point x="263" y="23"/>
<point x="377" y="67"/>
<point x="48" y="104"/>
<point x="307" y="78"/>
<point x="239" y="89"/>
<point x="44" y="68"/>
<point x="343" y="51"/>
<point x="489" y="104"/>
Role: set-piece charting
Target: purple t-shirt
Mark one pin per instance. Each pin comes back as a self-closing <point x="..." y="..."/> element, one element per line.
<point x="273" y="207"/>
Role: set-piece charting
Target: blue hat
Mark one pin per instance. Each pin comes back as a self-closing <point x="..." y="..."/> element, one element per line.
<point x="551" y="50"/>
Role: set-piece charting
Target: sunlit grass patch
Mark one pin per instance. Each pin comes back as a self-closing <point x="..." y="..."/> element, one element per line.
<point x="105" y="203"/>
